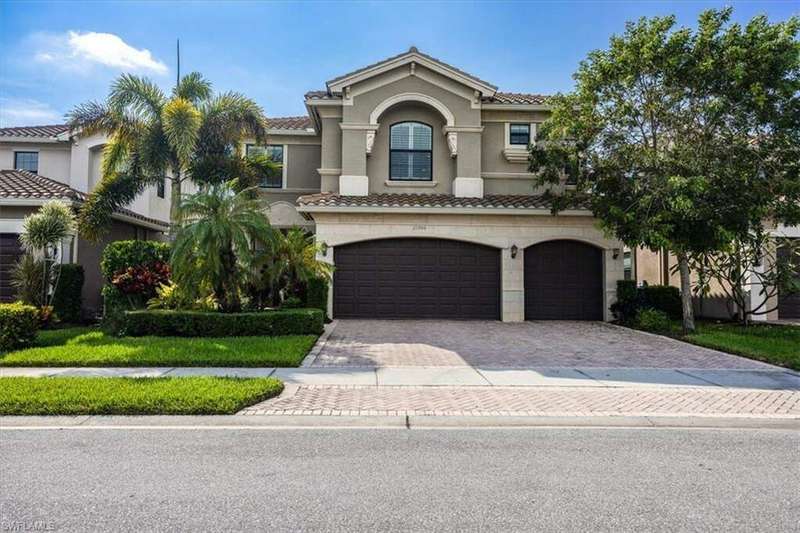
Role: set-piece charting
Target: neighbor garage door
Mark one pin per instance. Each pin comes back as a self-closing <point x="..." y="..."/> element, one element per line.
<point x="10" y="252"/>
<point x="416" y="278"/>
<point x="563" y="281"/>
<point x="788" y="304"/>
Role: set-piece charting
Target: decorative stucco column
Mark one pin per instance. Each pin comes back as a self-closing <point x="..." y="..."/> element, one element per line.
<point x="468" y="182"/>
<point x="512" y="300"/>
<point x="353" y="180"/>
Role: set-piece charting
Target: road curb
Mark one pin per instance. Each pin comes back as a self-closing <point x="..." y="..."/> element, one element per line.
<point x="233" y="422"/>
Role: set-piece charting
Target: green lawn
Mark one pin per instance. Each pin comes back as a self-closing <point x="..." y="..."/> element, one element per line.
<point x="779" y="345"/>
<point x="92" y="347"/>
<point x="132" y="396"/>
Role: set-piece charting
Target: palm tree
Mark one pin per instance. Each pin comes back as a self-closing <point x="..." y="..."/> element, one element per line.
<point x="189" y="134"/>
<point x="214" y="244"/>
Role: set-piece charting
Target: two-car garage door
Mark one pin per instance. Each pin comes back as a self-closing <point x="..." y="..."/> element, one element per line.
<point x="436" y="278"/>
<point x="416" y="278"/>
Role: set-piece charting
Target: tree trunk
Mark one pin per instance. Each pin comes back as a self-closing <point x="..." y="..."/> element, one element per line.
<point x="686" y="293"/>
<point x="174" y="203"/>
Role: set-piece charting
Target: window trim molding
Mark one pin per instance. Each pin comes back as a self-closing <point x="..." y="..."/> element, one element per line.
<point x="411" y="180"/>
<point x="531" y="135"/>
<point x="284" y="165"/>
<point x="37" y="152"/>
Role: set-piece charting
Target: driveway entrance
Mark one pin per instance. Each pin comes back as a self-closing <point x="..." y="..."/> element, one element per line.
<point x="492" y="344"/>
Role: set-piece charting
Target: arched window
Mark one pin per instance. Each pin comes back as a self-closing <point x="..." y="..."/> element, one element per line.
<point x="410" y="152"/>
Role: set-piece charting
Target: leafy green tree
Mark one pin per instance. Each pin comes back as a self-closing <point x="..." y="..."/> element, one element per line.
<point x="682" y="139"/>
<point x="214" y="244"/>
<point x="188" y="134"/>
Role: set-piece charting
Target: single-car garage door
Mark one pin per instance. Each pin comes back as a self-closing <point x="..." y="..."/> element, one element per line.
<point x="416" y="278"/>
<point x="563" y="281"/>
<point x="788" y="304"/>
<point x="10" y="252"/>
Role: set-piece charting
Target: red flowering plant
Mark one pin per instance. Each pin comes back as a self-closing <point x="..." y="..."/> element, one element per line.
<point x="139" y="282"/>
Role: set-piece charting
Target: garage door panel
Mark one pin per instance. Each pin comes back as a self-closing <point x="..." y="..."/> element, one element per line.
<point x="563" y="281"/>
<point x="416" y="278"/>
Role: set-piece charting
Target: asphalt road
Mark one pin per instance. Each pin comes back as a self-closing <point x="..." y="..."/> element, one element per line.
<point x="396" y="479"/>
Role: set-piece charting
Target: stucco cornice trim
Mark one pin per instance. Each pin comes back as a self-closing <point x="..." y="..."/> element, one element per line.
<point x="412" y="97"/>
<point x="338" y="84"/>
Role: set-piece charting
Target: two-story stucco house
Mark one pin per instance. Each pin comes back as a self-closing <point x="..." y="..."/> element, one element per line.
<point x="414" y="176"/>
<point x="42" y="163"/>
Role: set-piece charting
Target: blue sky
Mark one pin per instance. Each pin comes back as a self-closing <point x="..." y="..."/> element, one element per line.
<point x="55" y="55"/>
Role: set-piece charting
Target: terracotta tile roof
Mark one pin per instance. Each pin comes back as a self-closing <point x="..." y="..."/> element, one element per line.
<point x="24" y="184"/>
<point x="18" y="184"/>
<point x="289" y="123"/>
<point x="492" y="201"/>
<point x="515" y="98"/>
<point x="412" y="50"/>
<point x="34" y="131"/>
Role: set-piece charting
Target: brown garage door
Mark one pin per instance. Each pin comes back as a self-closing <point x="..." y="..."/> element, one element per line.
<point x="563" y="281"/>
<point x="788" y="304"/>
<point x="10" y="252"/>
<point x="416" y="278"/>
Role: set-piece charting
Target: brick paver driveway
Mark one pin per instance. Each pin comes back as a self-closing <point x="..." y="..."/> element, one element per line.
<point x="490" y="344"/>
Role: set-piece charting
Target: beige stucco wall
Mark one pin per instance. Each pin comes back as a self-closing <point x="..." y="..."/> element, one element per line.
<point x="53" y="158"/>
<point x="499" y="231"/>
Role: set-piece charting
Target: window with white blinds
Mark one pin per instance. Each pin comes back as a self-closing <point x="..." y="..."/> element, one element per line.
<point x="410" y="152"/>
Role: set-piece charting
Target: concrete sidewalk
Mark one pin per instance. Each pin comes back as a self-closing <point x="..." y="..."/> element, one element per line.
<point x="460" y="376"/>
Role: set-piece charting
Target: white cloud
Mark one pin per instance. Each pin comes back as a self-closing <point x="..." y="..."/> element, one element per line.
<point x="27" y="112"/>
<point x="78" y="51"/>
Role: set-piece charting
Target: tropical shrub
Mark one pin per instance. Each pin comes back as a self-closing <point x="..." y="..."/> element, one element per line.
<point x="204" y="324"/>
<point x="288" y="263"/>
<point x="27" y="280"/>
<point x="141" y="280"/>
<point x="292" y="302"/>
<point x="652" y="320"/>
<point x="67" y="300"/>
<point x="172" y="296"/>
<point x="132" y="271"/>
<point x="18" y="325"/>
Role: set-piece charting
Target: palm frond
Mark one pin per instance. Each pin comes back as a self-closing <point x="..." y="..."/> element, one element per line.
<point x="138" y="94"/>
<point x="90" y="117"/>
<point x="193" y="87"/>
<point x="114" y="191"/>
<point x="181" y="122"/>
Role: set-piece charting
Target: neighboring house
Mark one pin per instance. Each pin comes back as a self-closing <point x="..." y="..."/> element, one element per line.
<point x="423" y="201"/>
<point x="42" y="163"/>
<point x="659" y="268"/>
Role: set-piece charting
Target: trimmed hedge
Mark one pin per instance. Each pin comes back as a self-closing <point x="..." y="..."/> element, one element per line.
<point x="18" y="325"/>
<point x="631" y="300"/>
<point x="67" y="300"/>
<point x="120" y="255"/>
<point x="663" y="298"/>
<point x="317" y="293"/>
<point x="169" y="323"/>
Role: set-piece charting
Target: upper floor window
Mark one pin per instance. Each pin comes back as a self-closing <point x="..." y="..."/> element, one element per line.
<point x="161" y="186"/>
<point x="410" y="152"/>
<point x="519" y="134"/>
<point x="275" y="153"/>
<point x="26" y="161"/>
